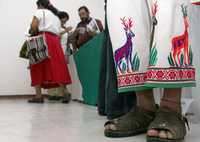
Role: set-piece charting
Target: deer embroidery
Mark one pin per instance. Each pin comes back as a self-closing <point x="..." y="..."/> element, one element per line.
<point x="180" y="44"/>
<point x="125" y="52"/>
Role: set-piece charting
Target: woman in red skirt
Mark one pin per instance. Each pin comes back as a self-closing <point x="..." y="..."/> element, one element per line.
<point x="51" y="72"/>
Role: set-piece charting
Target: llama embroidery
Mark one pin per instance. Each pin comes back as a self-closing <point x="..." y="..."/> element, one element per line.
<point x="125" y="52"/>
<point x="181" y="54"/>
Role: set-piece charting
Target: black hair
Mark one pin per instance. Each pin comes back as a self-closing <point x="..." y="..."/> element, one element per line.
<point x="46" y="4"/>
<point x="85" y="8"/>
<point x="43" y="3"/>
<point x="63" y="14"/>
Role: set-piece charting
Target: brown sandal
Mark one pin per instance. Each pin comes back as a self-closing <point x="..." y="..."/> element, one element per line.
<point x="170" y="121"/>
<point x="133" y="123"/>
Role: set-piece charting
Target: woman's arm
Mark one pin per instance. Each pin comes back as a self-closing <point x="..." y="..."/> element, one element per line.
<point x="66" y="30"/>
<point x="34" y="26"/>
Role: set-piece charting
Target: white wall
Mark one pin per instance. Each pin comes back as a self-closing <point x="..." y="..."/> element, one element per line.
<point x="15" y="17"/>
<point x="196" y="46"/>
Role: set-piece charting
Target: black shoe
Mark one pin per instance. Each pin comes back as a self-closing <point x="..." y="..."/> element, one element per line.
<point x="51" y="98"/>
<point x="36" y="100"/>
<point x="66" y="98"/>
<point x="55" y="98"/>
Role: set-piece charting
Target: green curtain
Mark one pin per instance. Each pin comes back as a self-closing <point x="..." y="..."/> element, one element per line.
<point x="88" y="60"/>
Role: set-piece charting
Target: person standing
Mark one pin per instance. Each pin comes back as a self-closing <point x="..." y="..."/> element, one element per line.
<point x="157" y="53"/>
<point x="86" y="29"/>
<point x="54" y="93"/>
<point x="76" y="87"/>
<point x="65" y="31"/>
<point x="51" y="72"/>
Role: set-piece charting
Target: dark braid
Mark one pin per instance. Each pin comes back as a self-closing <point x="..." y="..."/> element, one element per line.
<point x="46" y="4"/>
<point x="53" y="9"/>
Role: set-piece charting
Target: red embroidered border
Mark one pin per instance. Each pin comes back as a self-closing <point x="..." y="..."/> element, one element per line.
<point x="196" y="3"/>
<point x="171" y="74"/>
<point x="131" y="79"/>
<point x="157" y="75"/>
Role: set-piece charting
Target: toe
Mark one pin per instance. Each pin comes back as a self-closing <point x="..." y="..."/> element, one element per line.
<point x="107" y="127"/>
<point x="152" y="133"/>
<point x="162" y="134"/>
<point x="112" y="127"/>
<point x="169" y="135"/>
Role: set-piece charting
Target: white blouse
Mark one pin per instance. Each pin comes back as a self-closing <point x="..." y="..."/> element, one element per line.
<point x="48" y="21"/>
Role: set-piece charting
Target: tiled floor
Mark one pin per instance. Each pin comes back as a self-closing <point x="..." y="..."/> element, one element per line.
<point x="54" y="122"/>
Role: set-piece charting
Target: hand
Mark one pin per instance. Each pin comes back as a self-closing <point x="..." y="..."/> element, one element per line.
<point x="68" y="29"/>
<point x="92" y="33"/>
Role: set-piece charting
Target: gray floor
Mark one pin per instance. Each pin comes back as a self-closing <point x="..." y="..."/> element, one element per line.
<point x="22" y="122"/>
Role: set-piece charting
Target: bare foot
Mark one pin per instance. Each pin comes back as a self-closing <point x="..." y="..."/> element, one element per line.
<point x="110" y="127"/>
<point x="160" y="133"/>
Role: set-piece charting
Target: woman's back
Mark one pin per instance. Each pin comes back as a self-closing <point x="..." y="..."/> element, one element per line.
<point x="48" y="21"/>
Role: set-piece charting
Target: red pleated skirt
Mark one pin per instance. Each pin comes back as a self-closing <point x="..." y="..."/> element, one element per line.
<point x="51" y="72"/>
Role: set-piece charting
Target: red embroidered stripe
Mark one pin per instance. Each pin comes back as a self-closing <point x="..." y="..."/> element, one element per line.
<point x="159" y="75"/>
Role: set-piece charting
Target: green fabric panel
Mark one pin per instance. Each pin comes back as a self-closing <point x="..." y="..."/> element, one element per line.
<point x="88" y="65"/>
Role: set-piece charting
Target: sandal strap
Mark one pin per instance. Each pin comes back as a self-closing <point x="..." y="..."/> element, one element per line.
<point x="137" y="118"/>
<point x="169" y="120"/>
<point x="186" y="123"/>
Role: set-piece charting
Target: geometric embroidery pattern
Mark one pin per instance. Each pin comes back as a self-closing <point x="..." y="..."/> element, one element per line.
<point x="131" y="79"/>
<point x="171" y="74"/>
<point x="164" y="75"/>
